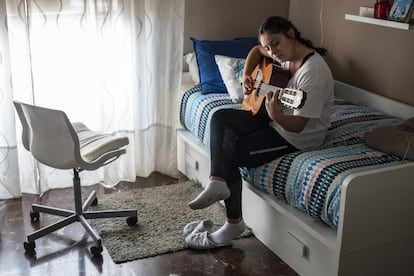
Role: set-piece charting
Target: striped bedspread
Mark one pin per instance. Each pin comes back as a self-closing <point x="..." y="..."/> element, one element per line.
<point x="310" y="181"/>
<point x="196" y="111"/>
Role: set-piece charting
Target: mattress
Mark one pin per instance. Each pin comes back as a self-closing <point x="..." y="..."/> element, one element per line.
<point x="310" y="181"/>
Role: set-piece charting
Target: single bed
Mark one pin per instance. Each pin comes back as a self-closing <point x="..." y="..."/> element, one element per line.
<point x="343" y="209"/>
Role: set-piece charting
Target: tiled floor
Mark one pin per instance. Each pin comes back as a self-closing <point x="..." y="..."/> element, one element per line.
<point x="66" y="252"/>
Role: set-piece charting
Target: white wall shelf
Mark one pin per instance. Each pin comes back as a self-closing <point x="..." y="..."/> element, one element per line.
<point x="380" y="22"/>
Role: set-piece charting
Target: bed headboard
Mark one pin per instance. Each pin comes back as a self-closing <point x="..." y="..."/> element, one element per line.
<point x="375" y="101"/>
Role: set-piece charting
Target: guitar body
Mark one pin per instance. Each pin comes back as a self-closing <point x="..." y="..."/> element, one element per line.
<point x="253" y="102"/>
<point x="264" y="73"/>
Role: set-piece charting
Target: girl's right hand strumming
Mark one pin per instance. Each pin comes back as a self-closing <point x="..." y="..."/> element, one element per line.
<point x="248" y="85"/>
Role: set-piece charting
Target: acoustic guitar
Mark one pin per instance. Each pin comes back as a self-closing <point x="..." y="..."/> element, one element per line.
<point x="269" y="77"/>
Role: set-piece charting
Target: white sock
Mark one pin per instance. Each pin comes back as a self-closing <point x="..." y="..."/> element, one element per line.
<point x="227" y="233"/>
<point x="215" y="191"/>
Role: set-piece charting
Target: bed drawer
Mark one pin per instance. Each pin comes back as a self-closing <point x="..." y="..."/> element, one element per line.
<point x="288" y="238"/>
<point x="193" y="158"/>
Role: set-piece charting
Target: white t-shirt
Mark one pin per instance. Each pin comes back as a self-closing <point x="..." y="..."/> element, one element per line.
<point x="315" y="78"/>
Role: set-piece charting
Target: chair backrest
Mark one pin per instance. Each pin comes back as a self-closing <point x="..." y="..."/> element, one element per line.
<point x="25" y="126"/>
<point x="49" y="136"/>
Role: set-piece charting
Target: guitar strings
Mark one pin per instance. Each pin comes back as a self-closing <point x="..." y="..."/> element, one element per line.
<point x="285" y="94"/>
<point x="267" y="88"/>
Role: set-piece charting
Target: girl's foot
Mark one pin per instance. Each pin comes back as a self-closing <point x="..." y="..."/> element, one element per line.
<point x="215" y="191"/>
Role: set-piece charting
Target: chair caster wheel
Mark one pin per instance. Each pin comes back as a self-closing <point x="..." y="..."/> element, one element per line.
<point x="132" y="221"/>
<point x="34" y="216"/>
<point x="96" y="250"/>
<point x="29" y="247"/>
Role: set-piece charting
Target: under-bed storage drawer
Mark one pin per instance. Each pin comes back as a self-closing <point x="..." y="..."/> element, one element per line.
<point x="193" y="158"/>
<point x="289" y="238"/>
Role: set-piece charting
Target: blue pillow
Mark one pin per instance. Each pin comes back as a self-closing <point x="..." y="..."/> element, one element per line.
<point x="205" y="50"/>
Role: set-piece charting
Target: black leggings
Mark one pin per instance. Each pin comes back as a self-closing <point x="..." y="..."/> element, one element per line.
<point x="239" y="139"/>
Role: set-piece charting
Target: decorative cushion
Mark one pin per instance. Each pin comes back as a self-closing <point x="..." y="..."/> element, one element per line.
<point x="231" y="71"/>
<point x="398" y="140"/>
<point x="205" y="50"/>
<point x="191" y="60"/>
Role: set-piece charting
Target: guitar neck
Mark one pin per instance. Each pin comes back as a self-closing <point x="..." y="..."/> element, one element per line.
<point x="263" y="89"/>
<point x="289" y="97"/>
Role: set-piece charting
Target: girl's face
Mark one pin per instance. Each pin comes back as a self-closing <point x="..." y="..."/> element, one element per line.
<point x="278" y="46"/>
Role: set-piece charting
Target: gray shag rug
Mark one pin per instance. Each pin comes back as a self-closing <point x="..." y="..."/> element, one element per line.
<point x="162" y="215"/>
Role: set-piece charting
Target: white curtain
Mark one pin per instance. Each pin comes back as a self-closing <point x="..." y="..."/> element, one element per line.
<point x="114" y="65"/>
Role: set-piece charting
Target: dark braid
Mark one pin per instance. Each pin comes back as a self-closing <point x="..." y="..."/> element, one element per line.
<point x="276" y="25"/>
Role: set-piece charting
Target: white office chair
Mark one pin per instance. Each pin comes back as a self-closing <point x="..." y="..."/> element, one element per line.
<point x="54" y="141"/>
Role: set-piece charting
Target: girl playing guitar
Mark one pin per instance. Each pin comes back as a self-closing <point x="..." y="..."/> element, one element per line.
<point x="241" y="139"/>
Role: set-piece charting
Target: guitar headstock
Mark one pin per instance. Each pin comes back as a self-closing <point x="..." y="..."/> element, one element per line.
<point x="292" y="98"/>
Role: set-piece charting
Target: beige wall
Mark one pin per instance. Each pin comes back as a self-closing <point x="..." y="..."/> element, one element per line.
<point x="227" y="19"/>
<point x="375" y="58"/>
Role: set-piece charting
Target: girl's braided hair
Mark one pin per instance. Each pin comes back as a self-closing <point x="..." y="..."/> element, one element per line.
<point x="277" y="24"/>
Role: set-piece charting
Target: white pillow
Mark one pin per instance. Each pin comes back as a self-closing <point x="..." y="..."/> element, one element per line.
<point x="231" y="71"/>
<point x="191" y="60"/>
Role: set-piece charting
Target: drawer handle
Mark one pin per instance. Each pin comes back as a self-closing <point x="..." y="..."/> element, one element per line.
<point x="191" y="161"/>
<point x="297" y="245"/>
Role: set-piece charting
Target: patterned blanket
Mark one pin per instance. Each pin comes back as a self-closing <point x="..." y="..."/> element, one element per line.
<point x="310" y="181"/>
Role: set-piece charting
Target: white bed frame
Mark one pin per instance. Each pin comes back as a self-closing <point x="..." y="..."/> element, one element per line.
<point x="375" y="235"/>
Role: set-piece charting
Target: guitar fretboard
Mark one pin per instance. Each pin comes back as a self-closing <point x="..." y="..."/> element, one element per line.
<point x="263" y="89"/>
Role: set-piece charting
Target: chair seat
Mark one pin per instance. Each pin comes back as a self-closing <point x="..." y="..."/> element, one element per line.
<point x="93" y="144"/>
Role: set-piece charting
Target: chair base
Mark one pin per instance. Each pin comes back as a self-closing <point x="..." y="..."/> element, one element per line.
<point x="81" y="215"/>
